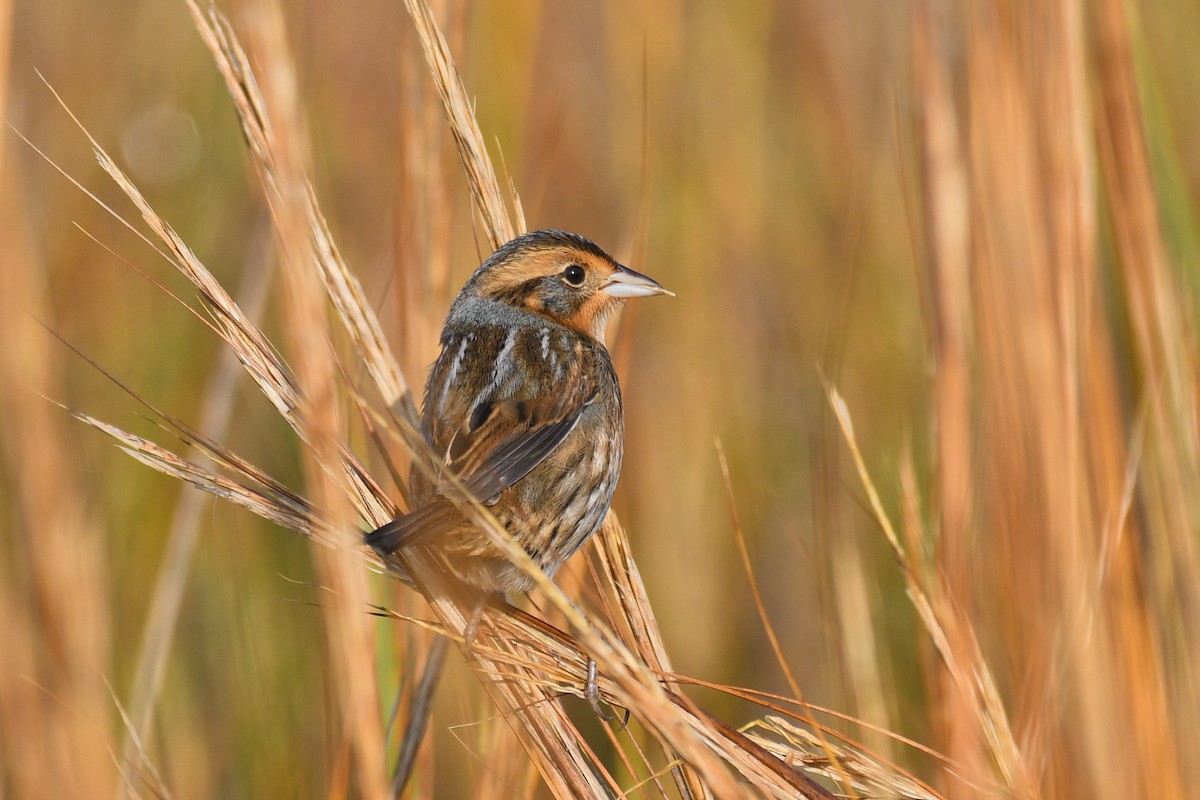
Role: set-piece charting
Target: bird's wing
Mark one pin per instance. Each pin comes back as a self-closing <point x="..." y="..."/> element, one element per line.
<point x="504" y="440"/>
<point x="498" y="441"/>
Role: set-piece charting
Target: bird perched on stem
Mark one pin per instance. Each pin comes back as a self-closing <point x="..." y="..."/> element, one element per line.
<point x="523" y="407"/>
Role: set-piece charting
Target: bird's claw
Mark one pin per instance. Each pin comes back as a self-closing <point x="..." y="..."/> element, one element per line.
<point x="471" y="630"/>
<point x="591" y="693"/>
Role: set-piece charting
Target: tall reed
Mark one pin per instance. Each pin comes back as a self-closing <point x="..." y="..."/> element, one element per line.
<point x="935" y="303"/>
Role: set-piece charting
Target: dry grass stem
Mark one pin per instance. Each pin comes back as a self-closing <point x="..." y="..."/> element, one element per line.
<point x="54" y="613"/>
<point x="342" y="287"/>
<point x="966" y="667"/>
<point x="472" y="152"/>
<point x="799" y="746"/>
<point x="163" y="610"/>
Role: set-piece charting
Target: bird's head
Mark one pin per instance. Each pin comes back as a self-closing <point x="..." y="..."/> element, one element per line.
<point x="562" y="276"/>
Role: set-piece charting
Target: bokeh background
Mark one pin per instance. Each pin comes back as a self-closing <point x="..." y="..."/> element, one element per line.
<point x="978" y="224"/>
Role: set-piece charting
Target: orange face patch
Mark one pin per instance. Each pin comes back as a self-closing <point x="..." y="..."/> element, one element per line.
<point x="535" y="280"/>
<point x="592" y="315"/>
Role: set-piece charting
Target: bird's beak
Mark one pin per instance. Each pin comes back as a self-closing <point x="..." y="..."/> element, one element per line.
<point x="626" y="282"/>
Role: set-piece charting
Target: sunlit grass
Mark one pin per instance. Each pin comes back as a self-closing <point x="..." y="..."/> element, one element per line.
<point x="961" y="225"/>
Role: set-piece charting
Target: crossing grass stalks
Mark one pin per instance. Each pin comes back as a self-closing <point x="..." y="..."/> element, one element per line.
<point x="1011" y="582"/>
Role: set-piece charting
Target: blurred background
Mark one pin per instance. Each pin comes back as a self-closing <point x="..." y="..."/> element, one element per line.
<point x="977" y="224"/>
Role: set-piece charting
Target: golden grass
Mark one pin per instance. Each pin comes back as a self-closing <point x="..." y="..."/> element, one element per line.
<point x="1028" y="617"/>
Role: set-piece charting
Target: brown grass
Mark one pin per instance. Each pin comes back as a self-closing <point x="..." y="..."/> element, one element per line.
<point x="1026" y="618"/>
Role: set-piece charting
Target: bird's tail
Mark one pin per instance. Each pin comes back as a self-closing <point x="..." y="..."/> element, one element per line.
<point x="385" y="539"/>
<point x="418" y="721"/>
<point x="429" y="520"/>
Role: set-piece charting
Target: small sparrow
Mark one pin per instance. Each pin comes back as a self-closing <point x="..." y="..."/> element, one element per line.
<point x="523" y="407"/>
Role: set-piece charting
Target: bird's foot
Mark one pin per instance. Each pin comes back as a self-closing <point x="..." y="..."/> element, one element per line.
<point x="591" y="693"/>
<point x="472" y="627"/>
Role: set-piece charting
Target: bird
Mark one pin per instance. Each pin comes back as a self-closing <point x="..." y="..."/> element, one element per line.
<point x="523" y="407"/>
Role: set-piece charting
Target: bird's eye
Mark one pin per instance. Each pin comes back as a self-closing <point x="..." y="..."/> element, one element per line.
<point x="573" y="275"/>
